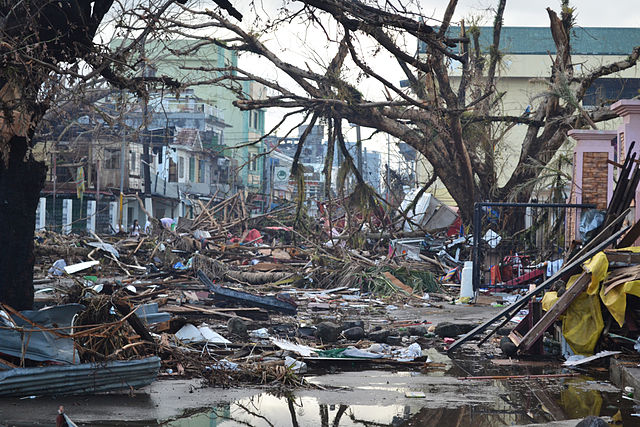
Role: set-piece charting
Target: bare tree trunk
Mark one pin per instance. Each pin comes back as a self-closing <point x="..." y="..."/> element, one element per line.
<point x="21" y="179"/>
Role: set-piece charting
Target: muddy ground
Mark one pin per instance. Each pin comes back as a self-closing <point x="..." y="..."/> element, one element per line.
<point x="362" y="396"/>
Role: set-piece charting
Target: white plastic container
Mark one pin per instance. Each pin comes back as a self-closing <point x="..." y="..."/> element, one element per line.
<point x="466" y="287"/>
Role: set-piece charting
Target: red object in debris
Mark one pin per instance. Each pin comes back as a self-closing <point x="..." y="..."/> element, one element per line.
<point x="253" y="236"/>
<point x="525" y="278"/>
<point x="495" y="274"/>
<point x="454" y="229"/>
<point x="449" y="340"/>
<point x="506" y="273"/>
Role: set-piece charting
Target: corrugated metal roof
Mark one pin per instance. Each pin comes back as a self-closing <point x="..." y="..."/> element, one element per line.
<point x="26" y="340"/>
<point x="538" y="40"/>
<point x="79" y="379"/>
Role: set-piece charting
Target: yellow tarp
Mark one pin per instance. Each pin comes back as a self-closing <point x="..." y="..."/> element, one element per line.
<point x="549" y="299"/>
<point x="597" y="266"/>
<point x="616" y="298"/>
<point x="582" y="323"/>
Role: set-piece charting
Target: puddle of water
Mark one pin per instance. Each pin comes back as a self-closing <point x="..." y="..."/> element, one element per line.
<point x="266" y="410"/>
<point x="378" y="398"/>
<point x="447" y="403"/>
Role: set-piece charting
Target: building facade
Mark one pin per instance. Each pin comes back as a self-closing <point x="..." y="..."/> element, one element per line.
<point x="524" y="70"/>
<point x="93" y="162"/>
<point x="194" y="65"/>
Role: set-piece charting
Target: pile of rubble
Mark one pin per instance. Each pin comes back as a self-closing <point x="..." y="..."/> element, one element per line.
<point x="592" y="303"/>
<point x="226" y="297"/>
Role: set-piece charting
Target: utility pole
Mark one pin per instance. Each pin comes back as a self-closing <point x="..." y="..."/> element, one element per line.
<point x="359" y="149"/>
<point x="122" y="152"/>
<point x="55" y="180"/>
<point x="388" y="165"/>
<point x="145" y="139"/>
<point x="365" y="167"/>
<point x="97" y="185"/>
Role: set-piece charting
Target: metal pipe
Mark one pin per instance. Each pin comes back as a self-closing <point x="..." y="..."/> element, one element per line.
<point x="477" y="212"/>
<point x="537" y="205"/>
<point x="388" y="165"/>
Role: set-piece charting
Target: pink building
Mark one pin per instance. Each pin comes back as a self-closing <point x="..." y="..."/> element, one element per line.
<point x="595" y="158"/>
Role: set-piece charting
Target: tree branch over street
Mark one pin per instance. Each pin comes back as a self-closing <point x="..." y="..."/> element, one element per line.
<point x="455" y="121"/>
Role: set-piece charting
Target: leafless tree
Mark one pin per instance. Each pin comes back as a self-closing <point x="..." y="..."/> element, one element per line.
<point x="456" y="124"/>
<point x="48" y="49"/>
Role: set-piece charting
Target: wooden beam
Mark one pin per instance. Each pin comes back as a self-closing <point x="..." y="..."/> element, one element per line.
<point x="552" y="315"/>
<point x="569" y="268"/>
<point x="398" y="283"/>
<point x="631" y="236"/>
<point x="623" y="257"/>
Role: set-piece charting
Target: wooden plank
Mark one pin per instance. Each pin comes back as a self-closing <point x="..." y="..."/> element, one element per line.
<point x="568" y="268"/>
<point x="623" y="257"/>
<point x="192" y="309"/>
<point x="631" y="236"/>
<point x="552" y="315"/>
<point x="398" y="283"/>
<point x="526" y="324"/>
<point x="621" y="276"/>
<point x="621" y="273"/>
<point x="515" y="338"/>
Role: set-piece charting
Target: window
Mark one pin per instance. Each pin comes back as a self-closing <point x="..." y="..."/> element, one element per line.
<point x="253" y="162"/>
<point x="130" y="217"/>
<point x="134" y="166"/>
<point x="201" y="170"/>
<point x="173" y="173"/>
<point x="192" y="169"/>
<point x="607" y="91"/>
<point x="112" y="159"/>
<point x="212" y="174"/>
<point x="253" y="119"/>
<point x="180" y="167"/>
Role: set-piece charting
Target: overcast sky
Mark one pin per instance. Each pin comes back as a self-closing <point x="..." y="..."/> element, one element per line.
<point x="589" y="13"/>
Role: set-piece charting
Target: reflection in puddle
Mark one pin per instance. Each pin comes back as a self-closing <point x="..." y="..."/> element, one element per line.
<point x="383" y="398"/>
<point x="520" y="402"/>
<point x="268" y="410"/>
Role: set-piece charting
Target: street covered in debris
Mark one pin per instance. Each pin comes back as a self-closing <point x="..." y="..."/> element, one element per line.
<point x="244" y="319"/>
<point x="334" y="213"/>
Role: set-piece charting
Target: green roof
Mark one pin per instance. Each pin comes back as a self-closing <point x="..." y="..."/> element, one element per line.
<point x="538" y="40"/>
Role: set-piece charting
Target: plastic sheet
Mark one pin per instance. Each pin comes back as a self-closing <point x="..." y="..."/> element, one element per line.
<point x="590" y="220"/>
<point x="296" y="366"/>
<point x="583" y="324"/>
<point x="549" y="299"/>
